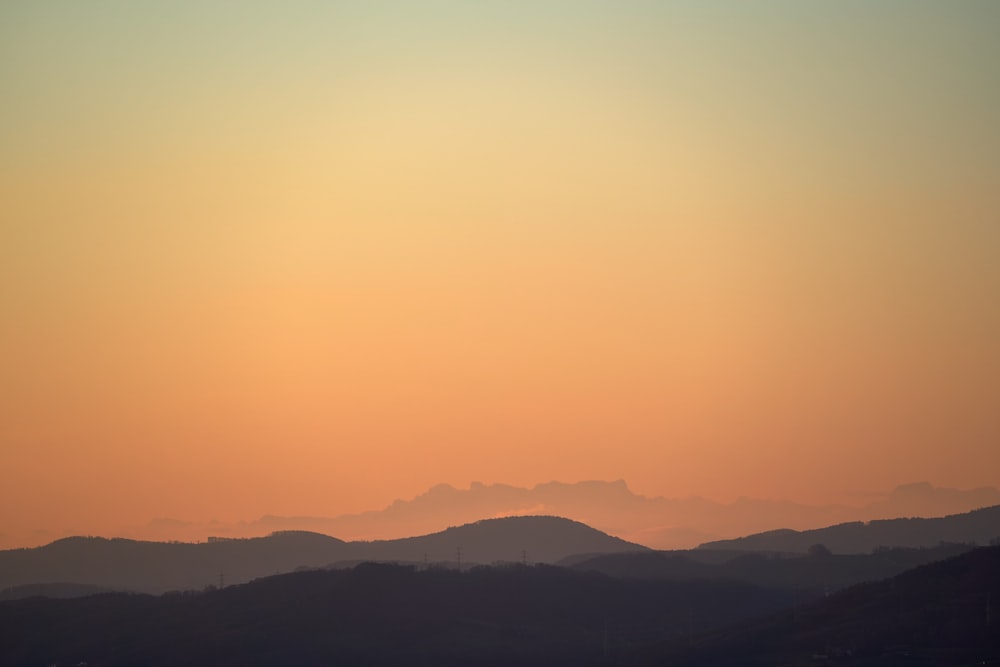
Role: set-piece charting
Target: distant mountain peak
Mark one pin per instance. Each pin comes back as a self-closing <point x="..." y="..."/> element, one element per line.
<point x="589" y="484"/>
<point x="440" y="488"/>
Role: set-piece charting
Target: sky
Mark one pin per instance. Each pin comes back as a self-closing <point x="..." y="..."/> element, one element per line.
<point x="304" y="258"/>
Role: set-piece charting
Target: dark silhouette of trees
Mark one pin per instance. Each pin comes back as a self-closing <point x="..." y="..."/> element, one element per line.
<point x="378" y="614"/>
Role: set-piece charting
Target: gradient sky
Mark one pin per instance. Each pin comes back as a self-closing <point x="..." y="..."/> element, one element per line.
<point x="308" y="257"/>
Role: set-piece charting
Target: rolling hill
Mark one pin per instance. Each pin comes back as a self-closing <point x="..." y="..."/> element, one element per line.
<point x="382" y="614"/>
<point x="942" y="613"/>
<point x="810" y="575"/>
<point x="376" y="615"/>
<point x="980" y="527"/>
<point x="156" y="567"/>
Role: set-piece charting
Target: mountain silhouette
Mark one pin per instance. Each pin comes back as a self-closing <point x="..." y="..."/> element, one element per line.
<point x="538" y="539"/>
<point x="980" y="527"/>
<point x="922" y="499"/>
<point x="385" y="614"/>
<point x="379" y="614"/>
<point x="156" y="567"/>
<point x="942" y="613"/>
<point x="160" y="566"/>
<point x="810" y="575"/>
<point x="612" y="507"/>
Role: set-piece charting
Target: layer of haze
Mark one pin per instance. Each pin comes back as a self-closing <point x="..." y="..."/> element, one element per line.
<point x="308" y="257"/>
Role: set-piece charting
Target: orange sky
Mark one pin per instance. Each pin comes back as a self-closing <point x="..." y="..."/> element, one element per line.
<point x="308" y="258"/>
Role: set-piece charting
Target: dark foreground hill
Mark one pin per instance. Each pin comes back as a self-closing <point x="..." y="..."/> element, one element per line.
<point x="810" y="575"/>
<point x="980" y="527"/>
<point x="156" y="567"/>
<point x="943" y="613"/>
<point x="379" y="614"/>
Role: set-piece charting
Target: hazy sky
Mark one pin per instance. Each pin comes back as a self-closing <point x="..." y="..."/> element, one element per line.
<point x="307" y="257"/>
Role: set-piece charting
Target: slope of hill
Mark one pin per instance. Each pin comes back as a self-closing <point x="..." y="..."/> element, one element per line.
<point x="980" y="527"/>
<point x="155" y="567"/>
<point x="378" y="615"/>
<point x="938" y="614"/>
<point x="811" y="575"/>
<point x="161" y="566"/>
<point x="537" y="539"/>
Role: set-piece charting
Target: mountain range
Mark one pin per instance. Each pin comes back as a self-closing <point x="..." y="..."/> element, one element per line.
<point x="841" y="555"/>
<point x="156" y="567"/>
<point x="532" y="590"/>
<point x="942" y="613"/>
<point x="376" y="615"/>
<point x="612" y="507"/>
<point x="981" y="526"/>
<point x="382" y="614"/>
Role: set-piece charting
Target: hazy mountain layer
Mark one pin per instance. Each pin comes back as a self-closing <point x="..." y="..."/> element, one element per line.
<point x="662" y="523"/>
<point x="937" y="614"/>
<point x="161" y="566"/>
<point x="980" y="527"/>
